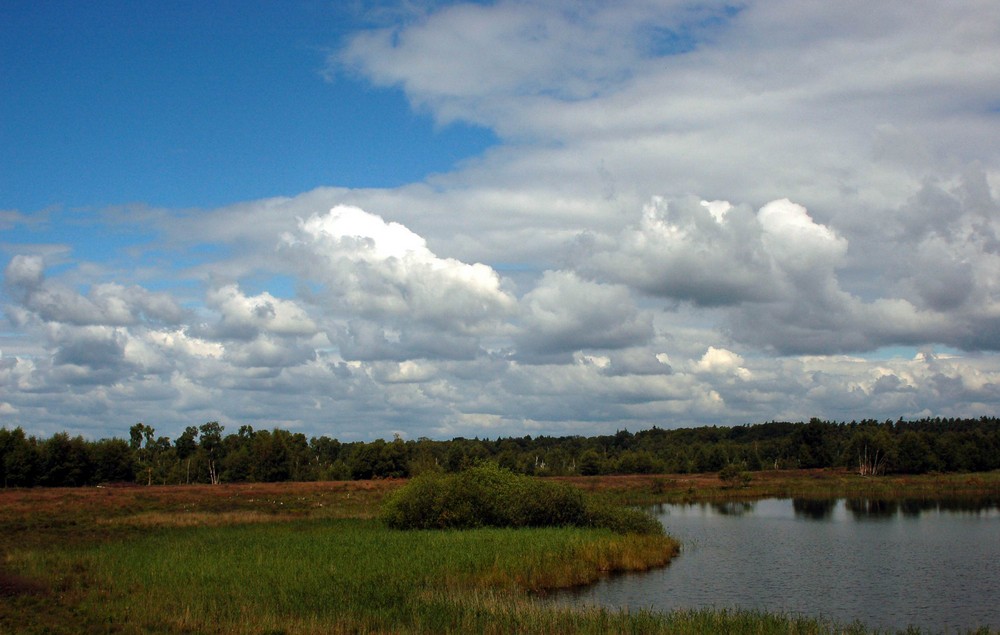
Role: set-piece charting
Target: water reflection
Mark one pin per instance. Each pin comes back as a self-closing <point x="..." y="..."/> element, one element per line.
<point x="814" y="509"/>
<point x="733" y="508"/>
<point x="879" y="508"/>
<point x="859" y="508"/>
<point x="871" y="508"/>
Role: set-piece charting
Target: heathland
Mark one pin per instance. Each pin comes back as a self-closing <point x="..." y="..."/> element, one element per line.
<point x="317" y="557"/>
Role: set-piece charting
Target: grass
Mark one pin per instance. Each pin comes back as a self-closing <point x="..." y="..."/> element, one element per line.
<point x="817" y="484"/>
<point x="351" y="574"/>
<point x="304" y="558"/>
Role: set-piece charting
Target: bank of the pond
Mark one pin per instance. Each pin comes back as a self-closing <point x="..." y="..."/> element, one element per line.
<point x="651" y="489"/>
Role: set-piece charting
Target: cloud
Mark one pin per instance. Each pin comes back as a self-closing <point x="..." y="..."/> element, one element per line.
<point x="378" y="269"/>
<point x="367" y="340"/>
<point x="633" y="361"/>
<point x="106" y="304"/>
<point x="245" y="317"/>
<point x="564" y="314"/>
<point x="719" y="361"/>
<point x="696" y="213"/>
<point x="683" y="251"/>
<point x="776" y="277"/>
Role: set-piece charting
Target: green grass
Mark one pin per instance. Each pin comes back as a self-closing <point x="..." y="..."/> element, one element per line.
<point x="326" y="575"/>
<point x="816" y="484"/>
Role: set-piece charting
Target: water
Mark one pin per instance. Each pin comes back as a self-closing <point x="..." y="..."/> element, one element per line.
<point x="934" y="565"/>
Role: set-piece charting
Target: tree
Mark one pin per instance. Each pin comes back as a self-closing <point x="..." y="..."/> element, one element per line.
<point x="211" y="445"/>
<point x="186" y="445"/>
<point x="636" y="462"/>
<point x="141" y="442"/>
<point x="114" y="461"/>
<point x="873" y="449"/>
<point x="914" y="455"/>
<point x="18" y="458"/>
<point x="364" y="458"/>
<point x="814" y="449"/>
<point x="301" y="466"/>
<point x="239" y="462"/>
<point x="270" y="457"/>
<point x="65" y="461"/>
<point x="392" y="460"/>
<point x="591" y="463"/>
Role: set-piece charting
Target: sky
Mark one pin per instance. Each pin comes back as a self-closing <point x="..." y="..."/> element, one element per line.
<point x="521" y="217"/>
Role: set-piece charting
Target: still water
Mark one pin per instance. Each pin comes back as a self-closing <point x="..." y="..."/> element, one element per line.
<point x="931" y="564"/>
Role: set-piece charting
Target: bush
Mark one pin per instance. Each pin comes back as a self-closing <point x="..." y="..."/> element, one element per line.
<point x="623" y="520"/>
<point x="734" y="476"/>
<point x="490" y="496"/>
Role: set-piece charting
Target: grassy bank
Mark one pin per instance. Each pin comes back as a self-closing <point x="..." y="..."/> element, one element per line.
<point x="311" y="558"/>
<point x="322" y="575"/>
<point x="657" y="488"/>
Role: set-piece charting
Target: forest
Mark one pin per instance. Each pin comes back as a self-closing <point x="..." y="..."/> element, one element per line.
<point x="206" y="454"/>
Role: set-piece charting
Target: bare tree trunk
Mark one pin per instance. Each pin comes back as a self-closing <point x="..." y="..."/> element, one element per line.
<point x="870" y="465"/>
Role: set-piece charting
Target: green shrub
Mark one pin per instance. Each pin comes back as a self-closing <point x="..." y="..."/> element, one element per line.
<point x="734" y="476"/>
<point x="491" y="496"/>
<point x="623" y="520"/>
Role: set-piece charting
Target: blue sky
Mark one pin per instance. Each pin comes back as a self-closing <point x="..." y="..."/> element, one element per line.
<point x="482" y="219"/>
<point x="188" y="104"/>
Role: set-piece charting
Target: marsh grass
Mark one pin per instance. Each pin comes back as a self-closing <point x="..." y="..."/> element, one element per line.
<point x="819" y="484"/>
<point x="194" y="519"/>
<point x="325" y="575"/>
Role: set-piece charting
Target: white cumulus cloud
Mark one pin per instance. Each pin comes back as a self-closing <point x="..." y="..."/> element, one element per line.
<point x="379" y="268"/>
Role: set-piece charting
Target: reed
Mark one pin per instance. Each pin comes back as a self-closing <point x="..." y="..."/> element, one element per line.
<point x="325" y="574"/>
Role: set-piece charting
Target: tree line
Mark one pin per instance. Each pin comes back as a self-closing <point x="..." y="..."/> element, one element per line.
<point x="205" y="454"/>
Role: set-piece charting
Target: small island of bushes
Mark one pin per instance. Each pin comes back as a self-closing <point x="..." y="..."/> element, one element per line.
<point x="491" y="496"/>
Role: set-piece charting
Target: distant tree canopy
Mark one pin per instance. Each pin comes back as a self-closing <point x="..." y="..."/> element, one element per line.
<point x="206" y="454"/>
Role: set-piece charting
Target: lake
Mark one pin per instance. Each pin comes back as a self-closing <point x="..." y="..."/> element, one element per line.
<point x="890" y="564"/>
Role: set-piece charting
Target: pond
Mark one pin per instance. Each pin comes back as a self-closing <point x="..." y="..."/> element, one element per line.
<point x="889" y="564"/>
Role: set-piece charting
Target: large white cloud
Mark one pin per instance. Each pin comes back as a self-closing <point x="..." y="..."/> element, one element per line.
<point x="374" y="268"/>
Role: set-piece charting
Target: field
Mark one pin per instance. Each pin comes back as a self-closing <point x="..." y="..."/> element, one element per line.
<point x="311" y="558"/>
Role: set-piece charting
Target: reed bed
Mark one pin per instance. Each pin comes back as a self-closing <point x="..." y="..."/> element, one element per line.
<point x="325" y="574"/>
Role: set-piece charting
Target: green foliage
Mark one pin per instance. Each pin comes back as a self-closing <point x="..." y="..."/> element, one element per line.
<point x="491" y="496"/>
<point x="622" y="520"/>
<point x="205" y="455"/>
<point x="342" y="576"/>
<point x="18" y="458"/>
<point x="733" y="475"/>
<point x="113" y="461"/>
